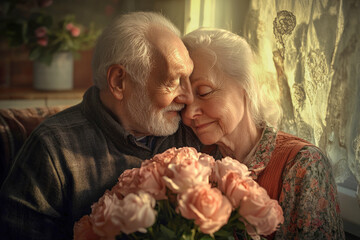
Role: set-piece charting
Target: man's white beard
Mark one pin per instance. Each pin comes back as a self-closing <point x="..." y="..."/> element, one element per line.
<point x="152" y="120"/>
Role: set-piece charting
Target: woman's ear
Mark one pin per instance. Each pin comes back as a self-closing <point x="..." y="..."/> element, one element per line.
<point x="116" y="76"/>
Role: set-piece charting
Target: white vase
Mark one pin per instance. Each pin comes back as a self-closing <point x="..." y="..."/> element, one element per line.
<point x="56" y="76"/>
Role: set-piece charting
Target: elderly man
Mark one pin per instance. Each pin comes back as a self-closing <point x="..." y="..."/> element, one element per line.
<point x="141" y="73"/>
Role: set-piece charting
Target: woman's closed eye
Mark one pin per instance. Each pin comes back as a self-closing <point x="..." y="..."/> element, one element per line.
<point x="203" y="91"/>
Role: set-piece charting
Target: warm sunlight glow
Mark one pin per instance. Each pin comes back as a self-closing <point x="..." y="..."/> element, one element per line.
<point x="201" y="14"/>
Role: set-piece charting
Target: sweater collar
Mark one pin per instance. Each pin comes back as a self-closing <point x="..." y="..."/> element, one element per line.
<point x="261" y="154"/>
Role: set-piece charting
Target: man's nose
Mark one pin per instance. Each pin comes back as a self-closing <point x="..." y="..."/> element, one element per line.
<point x="185" y="95"/>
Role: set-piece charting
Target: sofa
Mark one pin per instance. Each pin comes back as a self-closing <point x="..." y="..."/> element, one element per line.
<point x="15" y="126"/>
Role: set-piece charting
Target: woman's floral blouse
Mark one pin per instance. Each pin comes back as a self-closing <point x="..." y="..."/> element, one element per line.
<point x="309" y="195"/>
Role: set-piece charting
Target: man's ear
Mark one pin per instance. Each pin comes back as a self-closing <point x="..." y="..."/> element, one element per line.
<point x="116" y="75"/>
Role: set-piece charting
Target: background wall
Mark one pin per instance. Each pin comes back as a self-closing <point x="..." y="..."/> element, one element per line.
<point x="15" y="67"/>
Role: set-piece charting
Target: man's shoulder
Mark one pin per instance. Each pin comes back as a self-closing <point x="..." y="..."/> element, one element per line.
<point x="65" y="121"/>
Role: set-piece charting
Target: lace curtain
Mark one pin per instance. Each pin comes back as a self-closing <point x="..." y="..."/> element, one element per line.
<point x="313" y="49"/>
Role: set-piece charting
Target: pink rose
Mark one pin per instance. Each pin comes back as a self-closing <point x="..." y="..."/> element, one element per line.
<point x="262" y="214"/>
<point x="227" y="165"/>
<point x="207" y="160"/>
<point x="41" y="32"/>
<point x="185" y="153"/>
<point x="174" y="155"/>
<point x="146" y="178"/>
<point x="110" y="216"/>
<point x="186" y="171"/>
<point x="162" y="160"/>
<point x="137" y="212"/>
<point x="83" y="230"/>
<point x="166" y="156"/>
<point x="42" y="41"/>
<point x="104" y="216"/>
<point x="128" y="182"/>
<point x="210" y="209"/>
<point x="116" y="189"/>
<point x="236" y="187"/>
<point x="151" y="181"/>
<point x="75" y="32"/>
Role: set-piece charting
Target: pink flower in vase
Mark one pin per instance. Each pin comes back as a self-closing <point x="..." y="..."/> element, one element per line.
<point x="43" y="41"/>
<point x="75" y="32"/>
<point x="41" y="32"/>
<point x="44" y="3"/>
<point x="69" y="26"/>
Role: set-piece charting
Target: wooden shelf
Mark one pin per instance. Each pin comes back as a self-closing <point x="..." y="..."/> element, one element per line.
<point x="8" y="93"/>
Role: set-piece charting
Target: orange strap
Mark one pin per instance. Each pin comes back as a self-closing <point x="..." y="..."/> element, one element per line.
<point x="287" y="147"/>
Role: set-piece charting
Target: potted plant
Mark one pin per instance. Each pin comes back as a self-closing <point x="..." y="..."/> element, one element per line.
<point x="51" y="44"/>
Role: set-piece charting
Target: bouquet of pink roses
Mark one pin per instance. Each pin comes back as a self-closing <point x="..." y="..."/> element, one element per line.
<point x="182" y="194"/>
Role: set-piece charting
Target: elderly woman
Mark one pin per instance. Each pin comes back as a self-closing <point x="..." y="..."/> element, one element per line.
<point x="230" y="111"/>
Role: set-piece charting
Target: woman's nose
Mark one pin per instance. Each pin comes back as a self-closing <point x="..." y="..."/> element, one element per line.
<point x="190" y="112"/>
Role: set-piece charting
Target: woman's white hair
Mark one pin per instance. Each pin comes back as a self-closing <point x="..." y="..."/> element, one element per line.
<point x="125" y="42"/>
<point x="235" y="58"/>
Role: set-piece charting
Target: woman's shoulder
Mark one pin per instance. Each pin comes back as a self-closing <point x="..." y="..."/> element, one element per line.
<point x="311" y="152"/>
<point x="311" y="159"/>
<point x="283" y="138"/>
<point x="299" y="150"/>
<point x="288" y="145"/>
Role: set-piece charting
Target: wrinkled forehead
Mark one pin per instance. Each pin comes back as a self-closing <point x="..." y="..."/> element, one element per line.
<point x="205" y="54"/>
<point x="204" y="65"/>
<point x="169" y="47"/>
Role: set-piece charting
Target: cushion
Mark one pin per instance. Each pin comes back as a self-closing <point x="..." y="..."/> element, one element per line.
<point x="15" y="126"/>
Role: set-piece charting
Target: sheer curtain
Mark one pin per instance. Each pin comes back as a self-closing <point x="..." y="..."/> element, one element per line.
<point x="313" y="49"/>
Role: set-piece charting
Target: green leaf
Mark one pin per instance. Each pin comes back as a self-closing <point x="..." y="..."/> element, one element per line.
<point x="167" y="232"/>
<point x="239" y="225"/>
<point x="206" y="237"/>
<point x="35" y="53"/>
<point x="41" y="19"/>
<point x="186" y="237"/>
<point x="222" y="233"/>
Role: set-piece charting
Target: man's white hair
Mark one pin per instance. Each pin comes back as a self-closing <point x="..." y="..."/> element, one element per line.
<point x="234" y="56"/>
<point x="125" y="42"/>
